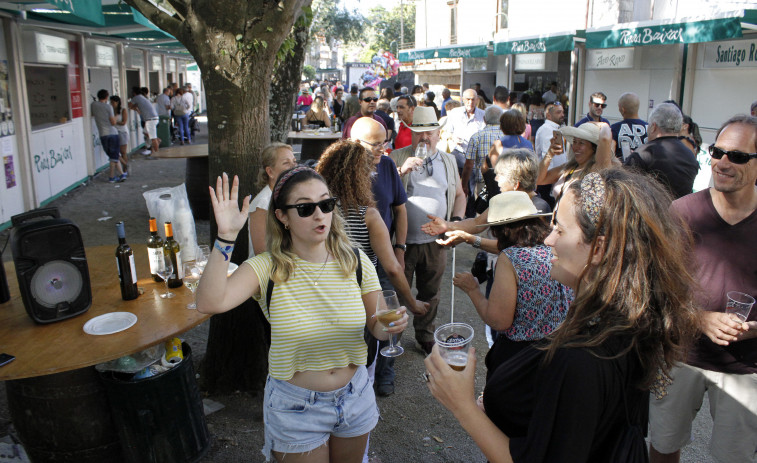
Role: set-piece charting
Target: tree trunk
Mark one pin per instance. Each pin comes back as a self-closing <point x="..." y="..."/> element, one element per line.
<point x="286" y="83"/>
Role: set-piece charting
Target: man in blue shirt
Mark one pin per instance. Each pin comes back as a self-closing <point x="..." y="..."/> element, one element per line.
<point x="631" y="132"/>
<point x="447" y="95"/>
<point x="597" y="105"/>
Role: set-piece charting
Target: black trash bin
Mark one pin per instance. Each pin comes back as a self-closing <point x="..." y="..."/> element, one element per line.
<point x="160" y="419"/>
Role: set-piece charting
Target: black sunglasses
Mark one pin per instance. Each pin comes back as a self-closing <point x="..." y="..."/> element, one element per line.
<point x="370" y="99"/>
<point x="601" y="105"/>
<point x="307" y="209"/>
<point x="736" y="157"/>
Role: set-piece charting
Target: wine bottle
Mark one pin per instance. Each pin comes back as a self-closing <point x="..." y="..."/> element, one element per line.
<point x="171" y="248"/>
<point x="155" y="250"/>
<point x="127" y="272"/>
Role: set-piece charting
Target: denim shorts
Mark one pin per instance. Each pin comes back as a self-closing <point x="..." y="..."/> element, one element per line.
<point x="299" y="420"/>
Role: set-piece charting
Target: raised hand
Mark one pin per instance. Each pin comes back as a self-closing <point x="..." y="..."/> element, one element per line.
<point x="229" y="218"/>
<point x="455" y="237"/>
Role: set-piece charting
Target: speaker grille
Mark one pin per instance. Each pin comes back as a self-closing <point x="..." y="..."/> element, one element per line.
<point x="55" y="282"/>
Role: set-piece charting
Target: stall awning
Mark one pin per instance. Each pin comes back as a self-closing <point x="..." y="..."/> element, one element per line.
<point x="561" y="41"/>
<point x="476" y="50"/>
<point x="79" y="12"/>
<point x="671" y="31"/>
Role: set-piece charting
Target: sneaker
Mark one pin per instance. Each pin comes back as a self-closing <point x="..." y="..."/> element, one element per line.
<point x="122" y="178"/>
<point x="125" y="174"/>
<point x="146" y="152"/>
<point x="384" y="390"/>
<point x="114" y="179"/>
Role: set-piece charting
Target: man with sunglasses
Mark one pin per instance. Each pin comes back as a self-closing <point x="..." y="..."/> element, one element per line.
<point x="368" y="100"/>
<point x="723" y="360"/>
<point x="597" y="105"/>
<point x="664" y="156"/>
<point x="433" y="187"/>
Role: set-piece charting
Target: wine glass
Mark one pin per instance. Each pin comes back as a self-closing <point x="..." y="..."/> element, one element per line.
<point x="386" y="312"/>
<point x="203" y="254"/>
<point x="191" y="280"/>
<point x="165" y="271"/>
<point x="421" y="152"/>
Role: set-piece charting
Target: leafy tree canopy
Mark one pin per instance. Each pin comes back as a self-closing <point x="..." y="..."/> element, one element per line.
<point x="383" y="31"/>
<point x="334" y="22"/>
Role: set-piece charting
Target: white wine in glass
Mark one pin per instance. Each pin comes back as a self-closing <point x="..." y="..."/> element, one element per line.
<point x="191" y="280"/>
<point x="386" y="313"/>
<point x="421" y="152"/>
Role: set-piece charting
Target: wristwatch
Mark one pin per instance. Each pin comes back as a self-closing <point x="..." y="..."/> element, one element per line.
<point x="477" y="243"/>
<point x="400" y="246"/>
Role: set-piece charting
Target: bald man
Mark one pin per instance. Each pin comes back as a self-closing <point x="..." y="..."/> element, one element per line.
<point x="631" y="131"/>
<point x="462" y="123"/>
<point x="390" y="197"/>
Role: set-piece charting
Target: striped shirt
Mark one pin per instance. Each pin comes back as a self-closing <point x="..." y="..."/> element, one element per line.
<point x="357" y="230"/>
<point x="314" y="327"/>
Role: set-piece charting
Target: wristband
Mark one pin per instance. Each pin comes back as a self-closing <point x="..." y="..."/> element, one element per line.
<point x="400" y="246"/>
<point x="225" y="241"/>
<point x="477" y="243"/>
<point x="225" y="250"/>
<point x="456" y="218"/>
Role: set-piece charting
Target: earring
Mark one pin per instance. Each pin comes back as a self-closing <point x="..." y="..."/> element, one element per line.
<point x="286" y="225"/>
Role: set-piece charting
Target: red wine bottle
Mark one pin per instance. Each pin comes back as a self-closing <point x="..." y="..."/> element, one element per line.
<point x="127" y="272"/>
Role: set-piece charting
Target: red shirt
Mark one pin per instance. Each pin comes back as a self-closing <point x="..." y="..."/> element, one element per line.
<point x="404" y="137"/>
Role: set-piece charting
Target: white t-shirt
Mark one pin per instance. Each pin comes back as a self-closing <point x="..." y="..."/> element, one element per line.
<point x="190" y="99"/>
<point x="260" y="201"/>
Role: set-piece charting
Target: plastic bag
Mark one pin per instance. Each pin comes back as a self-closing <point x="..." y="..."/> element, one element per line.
<point x="170" y="204"/>
<point x="134" y="362"/>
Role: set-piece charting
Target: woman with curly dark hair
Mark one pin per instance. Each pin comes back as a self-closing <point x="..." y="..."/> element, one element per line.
<point x="626" y="257"/>
<point x="347" y="168"/>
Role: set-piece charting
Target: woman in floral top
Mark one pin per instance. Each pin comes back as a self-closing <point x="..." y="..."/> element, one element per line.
<point x="525" y="304"/>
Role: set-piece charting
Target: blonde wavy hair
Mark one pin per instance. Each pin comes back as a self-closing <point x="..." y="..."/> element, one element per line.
<point x="279" y="239"/>
<point x="347" y="167"/>
<point x="268" y="159"/>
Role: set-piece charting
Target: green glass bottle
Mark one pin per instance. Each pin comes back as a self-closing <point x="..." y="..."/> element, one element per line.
<point x="155" y="250"/>
<point x="171" y="248"/>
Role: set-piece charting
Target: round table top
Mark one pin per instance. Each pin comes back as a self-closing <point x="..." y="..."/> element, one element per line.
<point x="64" y="346"/>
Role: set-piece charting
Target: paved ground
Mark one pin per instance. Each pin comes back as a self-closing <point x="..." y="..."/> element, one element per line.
<point x="413" y="428"/>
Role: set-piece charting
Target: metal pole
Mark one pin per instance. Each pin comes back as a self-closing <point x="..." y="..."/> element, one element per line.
<point x="452" y="305"/>
<point x="402" y="26"/>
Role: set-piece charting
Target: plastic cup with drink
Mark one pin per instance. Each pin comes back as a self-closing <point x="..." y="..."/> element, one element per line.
<point x="454" y="340"/>
<point x="738" y="306"/>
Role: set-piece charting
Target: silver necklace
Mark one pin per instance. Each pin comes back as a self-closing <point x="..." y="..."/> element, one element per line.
<point x="320" y="271"/>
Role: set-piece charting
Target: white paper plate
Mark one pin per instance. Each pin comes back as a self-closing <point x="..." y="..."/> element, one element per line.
<point x="232" y="268"/>
<point x="110" y="323"/>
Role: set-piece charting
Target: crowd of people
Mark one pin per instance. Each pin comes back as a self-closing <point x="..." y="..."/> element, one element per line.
<point x="606" y="283"/>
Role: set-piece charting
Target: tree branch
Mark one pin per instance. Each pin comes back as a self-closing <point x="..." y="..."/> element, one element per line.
<point x="157" y="17"/>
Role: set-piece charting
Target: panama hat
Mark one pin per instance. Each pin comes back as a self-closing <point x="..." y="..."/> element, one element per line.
<point x="511" y="206"/>
<point x="587" y="131"/>
<point x="424" y="120"/>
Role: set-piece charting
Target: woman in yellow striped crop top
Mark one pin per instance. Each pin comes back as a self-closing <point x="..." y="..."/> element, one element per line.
<point x="319" y="404"/>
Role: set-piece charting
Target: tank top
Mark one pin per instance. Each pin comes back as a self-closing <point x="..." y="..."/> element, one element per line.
<point x="357" y="231"/>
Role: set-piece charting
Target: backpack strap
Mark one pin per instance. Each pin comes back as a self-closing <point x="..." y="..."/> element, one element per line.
<point x="358" y="274"/>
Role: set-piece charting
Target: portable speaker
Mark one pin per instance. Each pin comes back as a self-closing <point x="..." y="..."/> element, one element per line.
<point x="51" y="267"/>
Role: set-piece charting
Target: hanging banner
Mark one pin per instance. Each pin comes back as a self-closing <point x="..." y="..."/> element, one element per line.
<point x="659" y="33"/>
<point x="462" y="51"/>
<point x="542" y="44"/>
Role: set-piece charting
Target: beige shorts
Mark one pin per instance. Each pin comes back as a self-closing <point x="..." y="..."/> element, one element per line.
<point x="733" y="407"/>
<point x="151" y="127"/>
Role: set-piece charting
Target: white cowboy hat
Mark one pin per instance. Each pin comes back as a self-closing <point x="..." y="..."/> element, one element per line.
<point x="424" y="120"/>
<point x="587" y="131"/>
<point x="511" y="206"/>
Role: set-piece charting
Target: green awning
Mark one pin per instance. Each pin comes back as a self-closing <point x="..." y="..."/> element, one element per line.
<point x="78" y="12"/>
<point x="666" y="32"/>
<point x="193" y="67"/>
<point x="453" y="51"/>
<point x="90" y="10"/>
<point x="536" y="44"/>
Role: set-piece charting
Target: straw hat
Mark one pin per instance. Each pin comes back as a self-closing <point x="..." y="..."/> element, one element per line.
<point x="587" y="131"/>
<point x="511" y="206"/>
<point x="424" y="120"/>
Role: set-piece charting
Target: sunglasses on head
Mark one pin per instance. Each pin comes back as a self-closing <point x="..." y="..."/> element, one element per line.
<point x="370" y="99"/>
<point x="307" y="209"/>
<point x="736" y="157"/>
<point x="601" y="105"/>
